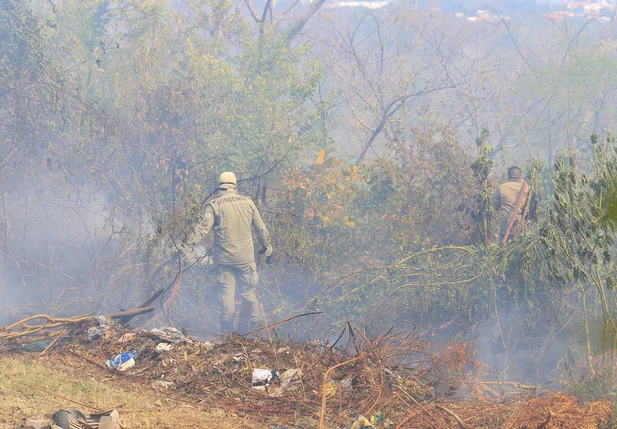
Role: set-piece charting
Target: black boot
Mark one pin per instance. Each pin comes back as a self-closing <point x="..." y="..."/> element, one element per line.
<point x="227" y="327"/>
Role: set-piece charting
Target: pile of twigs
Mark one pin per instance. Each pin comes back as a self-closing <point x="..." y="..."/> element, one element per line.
<point x="42" y="327"/>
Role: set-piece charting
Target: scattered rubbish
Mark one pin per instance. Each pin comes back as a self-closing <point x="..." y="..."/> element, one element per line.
<point x="108" y="420"/>
<point x="360" y="423"/>
<point x="103" y="322"/>
<point x="71" y="418"/>
<point x="163" y="347"/>
<point x="167" y="334"/>
<point x="239" y="357"/>
<point x="95" y="333"/>
<point x="127" y="338"/>
<point x="122" y="361"/>
<point x="64" y="418"/>
<point x="283" y="350"/>
<point x="290" y="381"/>
<point x="102" y="327"/>
<point x="263" y="377"/>
<point x="164" y="384"/>
<point x="377" y="418"/>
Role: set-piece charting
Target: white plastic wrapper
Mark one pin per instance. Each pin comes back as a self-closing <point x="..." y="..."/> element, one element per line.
<point x="261" y="377"/>
<point x="163" y="347"/>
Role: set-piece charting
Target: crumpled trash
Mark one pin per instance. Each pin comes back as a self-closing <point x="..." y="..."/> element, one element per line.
<point x="360" y="423"/>
<point x="103" y="325"/>
<point x="127" y="338"/>
<point x="290" y="381"/>
<point x="122" y="361"/>
<point x="377" y="418"/>
<point x="95" y="333"/>
<point x="163" y="347"/>
<point x="263" y="377"/>
<point x="169" y="335"/>
<point x="239" y="357"/>
<point x="63" y="418"/>
<point x="108" y="420"/>
<point x="73" y="418"/>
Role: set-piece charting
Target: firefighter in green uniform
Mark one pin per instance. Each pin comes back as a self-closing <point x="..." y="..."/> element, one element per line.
<point x="231" y="216"/>
<point x="507" y="196"/>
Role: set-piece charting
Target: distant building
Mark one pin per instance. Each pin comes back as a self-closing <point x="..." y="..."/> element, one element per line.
<point x="559" y="15"/>
<point x="574" y="5"/>
<point x="595" y="9"/>
<point x="367" y="4"/>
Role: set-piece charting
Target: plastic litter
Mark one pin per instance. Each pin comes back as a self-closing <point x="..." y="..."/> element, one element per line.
<point x="263" y="377"/>
<point x="360" y="423"/>
<point x="169" y="335"/>
<point x="122" y="361"/>
<point x="163" y="347"/>
<point x="377" y="418"/>
<point x="290" y="381"/>
<point x="107" y="420"/>
<point x="71" y="418"/>
<point x="103" y="325"/>
<point x="63" y="418"/>
<point x="127" y="338"/>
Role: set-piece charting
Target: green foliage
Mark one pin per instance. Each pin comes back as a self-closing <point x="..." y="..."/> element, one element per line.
<point x="482" y="168"/>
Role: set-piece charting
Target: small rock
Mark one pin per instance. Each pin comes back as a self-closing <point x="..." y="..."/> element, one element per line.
<point x="164" y="384"/>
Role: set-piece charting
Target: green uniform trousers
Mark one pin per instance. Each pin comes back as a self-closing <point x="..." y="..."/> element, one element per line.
<point x="245" y="276"/>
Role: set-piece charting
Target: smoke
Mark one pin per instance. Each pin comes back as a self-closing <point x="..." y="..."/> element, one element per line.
<point x="54" y="248"/>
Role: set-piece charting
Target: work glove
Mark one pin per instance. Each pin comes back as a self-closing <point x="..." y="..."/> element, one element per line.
<point x="267" y="251"/>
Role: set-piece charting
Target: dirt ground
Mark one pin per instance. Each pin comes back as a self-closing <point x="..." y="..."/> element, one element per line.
<point x="31" y="386"/>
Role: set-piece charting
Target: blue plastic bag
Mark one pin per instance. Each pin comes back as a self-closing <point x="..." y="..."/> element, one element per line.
<point x="122" y="361"/>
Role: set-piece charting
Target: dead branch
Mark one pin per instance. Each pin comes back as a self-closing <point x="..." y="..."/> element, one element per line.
<point x="289" y="319"/>
<point x="457" y="418"/>
<point x="325" y="386"/>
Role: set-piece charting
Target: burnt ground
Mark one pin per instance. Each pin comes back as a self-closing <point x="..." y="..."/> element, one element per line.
<point x="397" y="379"/>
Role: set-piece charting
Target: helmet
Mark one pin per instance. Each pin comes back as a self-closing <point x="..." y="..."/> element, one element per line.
<point x="227" y="178"/>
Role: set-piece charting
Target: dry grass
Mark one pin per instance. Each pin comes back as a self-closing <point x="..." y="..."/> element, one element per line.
<point x="138" y="408"/>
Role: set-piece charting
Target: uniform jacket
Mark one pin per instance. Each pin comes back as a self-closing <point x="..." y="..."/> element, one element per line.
<point x="505" y="202"/>
<point x="231" y="215"/>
